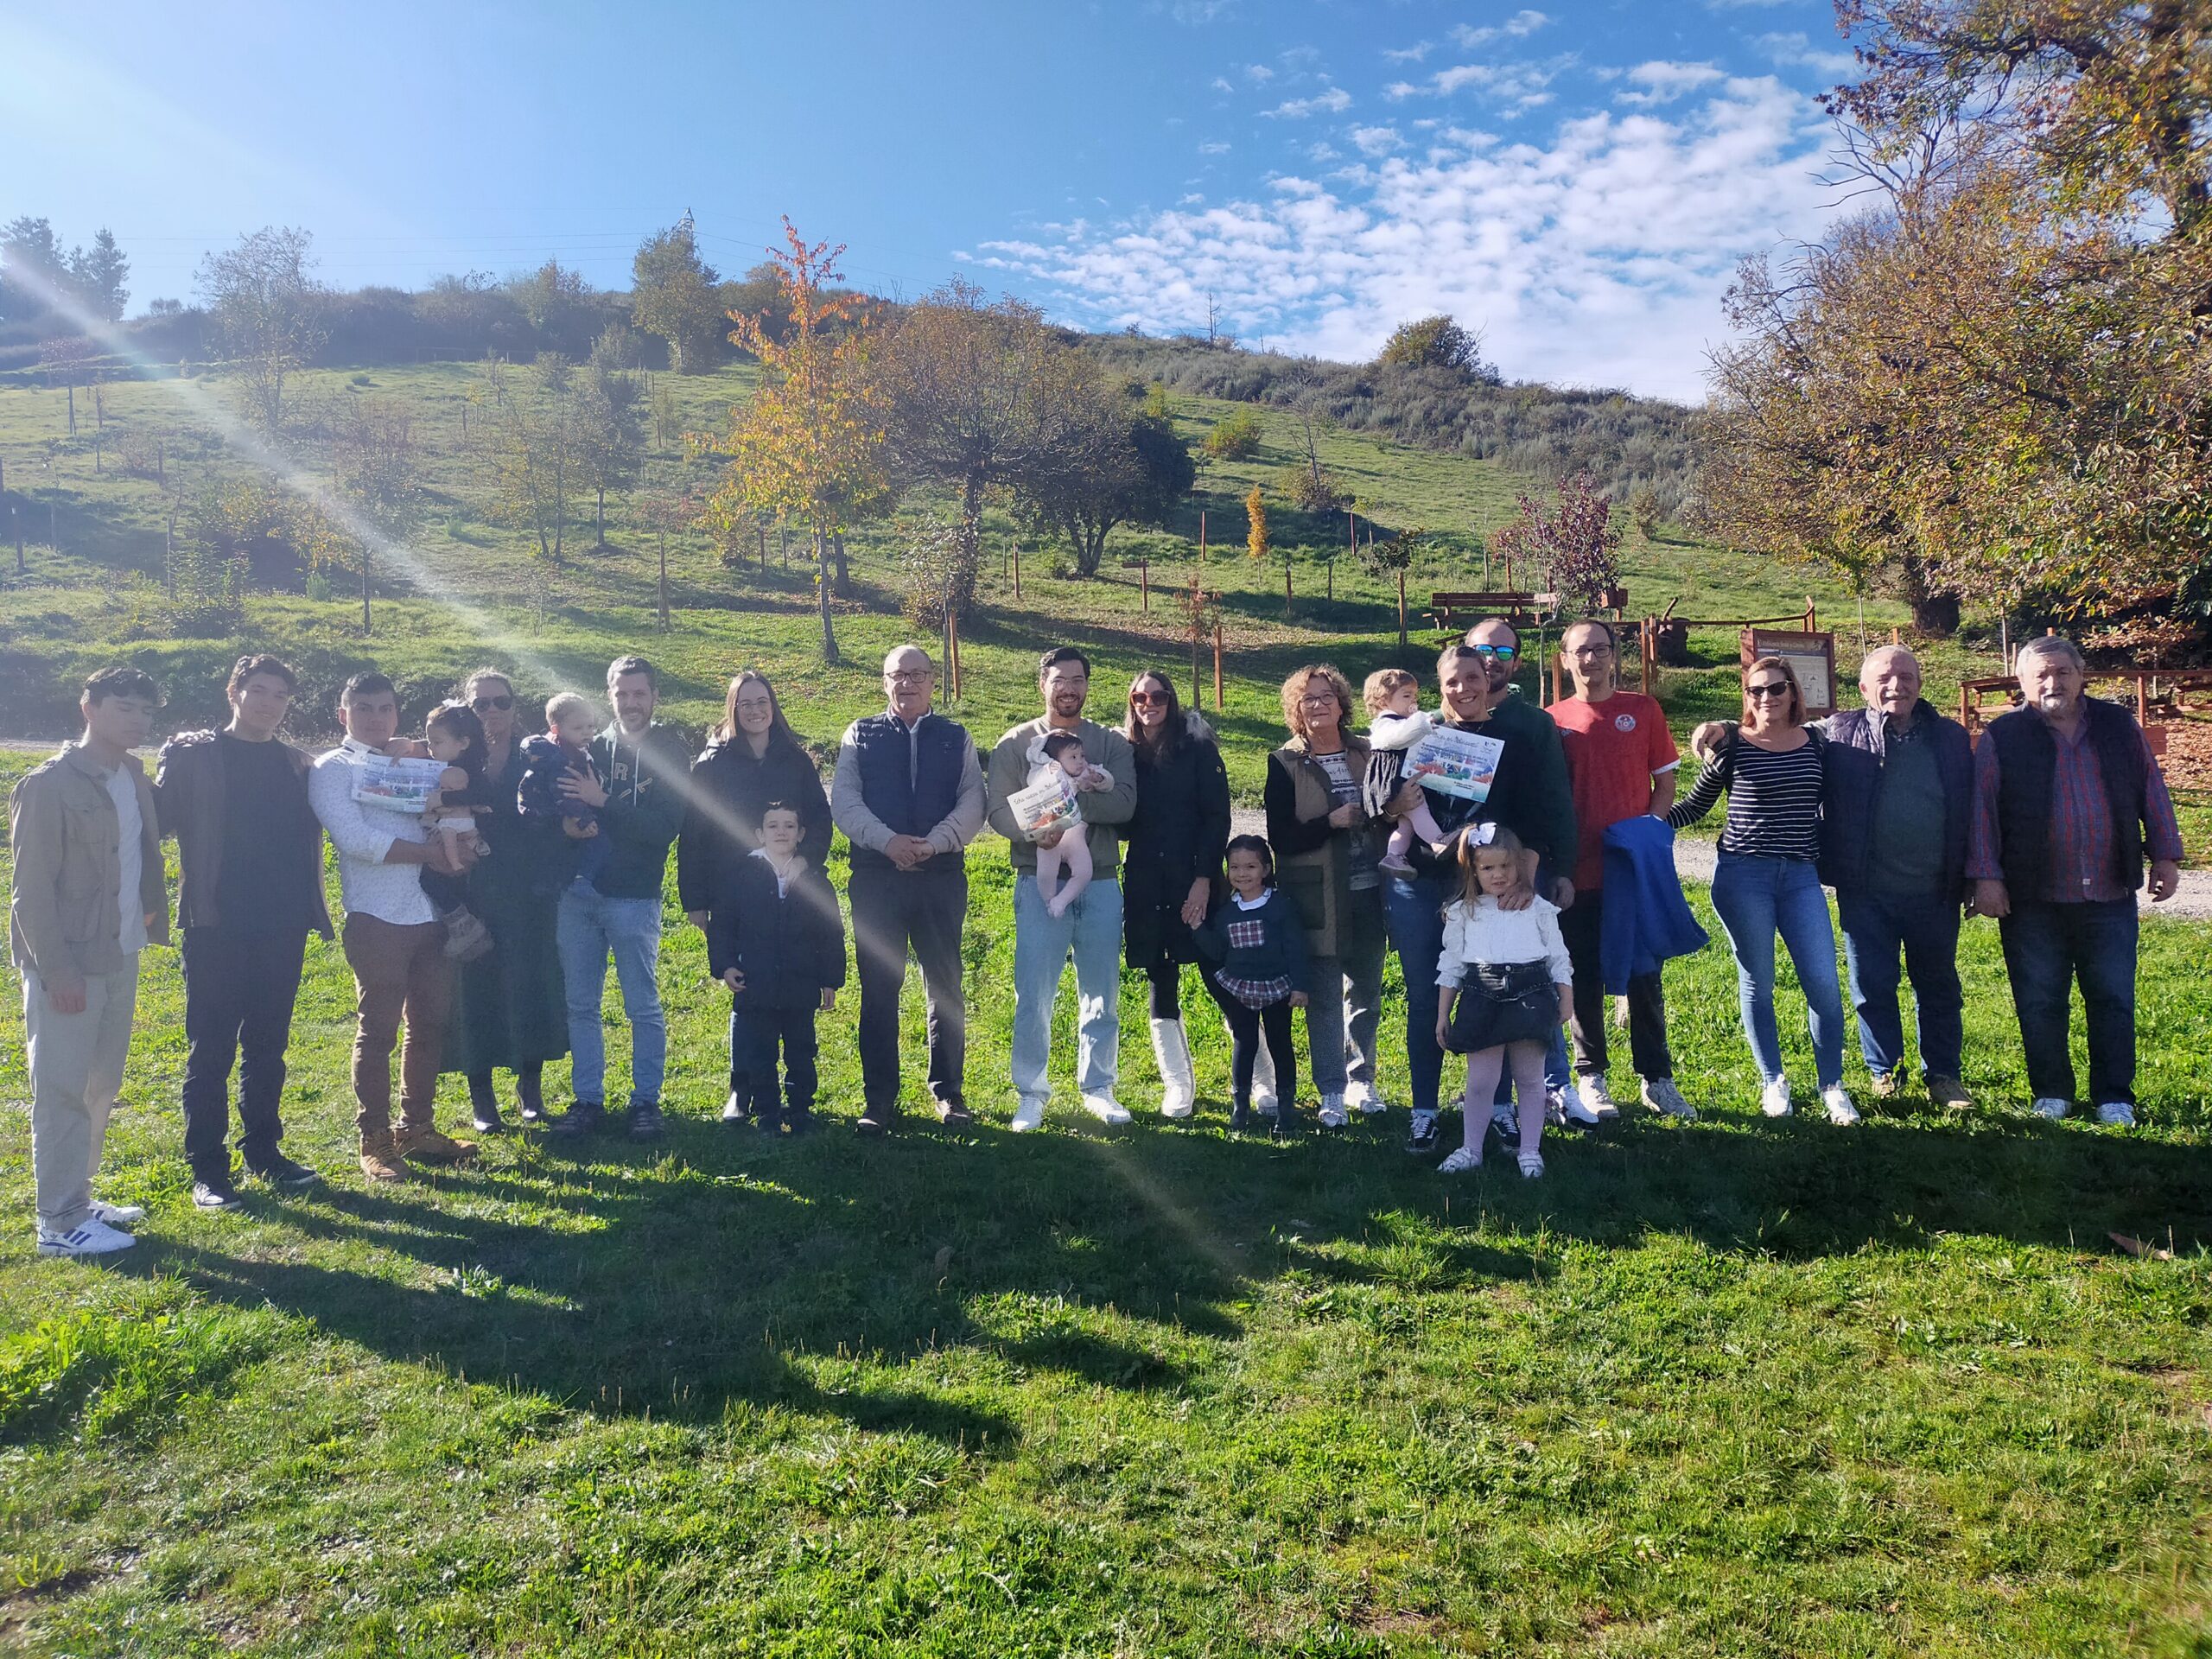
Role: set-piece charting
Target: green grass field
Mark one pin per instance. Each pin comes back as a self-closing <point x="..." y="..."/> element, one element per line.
<point x="1736" y="1387"/>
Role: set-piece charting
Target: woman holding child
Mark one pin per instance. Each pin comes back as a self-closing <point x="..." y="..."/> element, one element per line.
<point x="510" y="1011"/>
<point x="1328" y="853"/>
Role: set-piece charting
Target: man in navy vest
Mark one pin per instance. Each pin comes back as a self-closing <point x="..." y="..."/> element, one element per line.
<point x="1894" y="811"/>
<point x="908" y="793"/>
<point x="2069" y="803"/>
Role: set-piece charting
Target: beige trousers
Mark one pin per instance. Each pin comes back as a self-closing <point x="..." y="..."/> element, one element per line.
<point x="76" y="1066"/>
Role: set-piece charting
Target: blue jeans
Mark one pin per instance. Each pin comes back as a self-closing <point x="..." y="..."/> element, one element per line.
<point x="1093" y="930"/>
<point x="1414" y="906"/>
<point x="1755" y="899"/>
<point x="2047" y="947"/>
<point x="589" y="926"/>
<point x="1925" y="926"/>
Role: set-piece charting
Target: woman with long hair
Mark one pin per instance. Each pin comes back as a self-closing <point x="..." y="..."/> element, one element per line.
<point x="752" y="758"/>
<point x="1765" y="881"/>
<point x="509" y="1007"/>
<point x="1328" y="852"/>
<point x="1171" y="863"/>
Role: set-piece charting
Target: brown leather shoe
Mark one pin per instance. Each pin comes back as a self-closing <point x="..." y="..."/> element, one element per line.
<point x="1950" y="1094"/>
<point x="380" y="1158"/>
<point x="1887" y="1085"/>
<point x="426" y="1146"/>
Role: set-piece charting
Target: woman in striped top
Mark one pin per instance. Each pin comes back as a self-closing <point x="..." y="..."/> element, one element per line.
<point x="1764" y="881"/>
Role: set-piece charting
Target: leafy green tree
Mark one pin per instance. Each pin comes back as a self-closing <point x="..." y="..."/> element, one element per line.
<point x="608" y="434"/>
<point x="674" y="295"/>
<point x="1436" y="342"/>
<point x="1114" y="467"/>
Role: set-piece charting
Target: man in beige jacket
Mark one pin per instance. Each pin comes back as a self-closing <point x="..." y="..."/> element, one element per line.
<point x="88" y="896"/>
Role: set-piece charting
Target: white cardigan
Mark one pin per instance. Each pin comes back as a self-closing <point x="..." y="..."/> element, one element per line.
<point x="1487" y="934"/>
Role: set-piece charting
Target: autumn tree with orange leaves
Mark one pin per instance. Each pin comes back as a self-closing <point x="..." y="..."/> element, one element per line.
<point x="809" y="448"/>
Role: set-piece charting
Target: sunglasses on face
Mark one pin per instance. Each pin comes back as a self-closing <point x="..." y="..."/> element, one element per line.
<point x="1147" y="699"/>
<point x="1768" y="688"/>
<point x="483" y="705"/>
<point x="1502" y="653"/>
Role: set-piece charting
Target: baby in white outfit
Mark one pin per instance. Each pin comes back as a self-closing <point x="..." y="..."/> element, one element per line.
<point x="1064" y="869"/>
<point x="1396" y="721"/>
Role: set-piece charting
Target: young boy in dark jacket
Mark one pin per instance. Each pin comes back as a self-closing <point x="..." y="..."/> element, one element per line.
<point x="776" y="938"/>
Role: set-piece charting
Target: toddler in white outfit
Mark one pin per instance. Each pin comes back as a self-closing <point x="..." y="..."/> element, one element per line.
<point x="1395" y="721"/>
<point x="1064" y="870"/>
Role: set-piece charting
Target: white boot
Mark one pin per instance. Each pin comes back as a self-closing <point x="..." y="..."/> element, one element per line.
<point x="1179" y="1082"/>
<point x="1264" y="1100"/>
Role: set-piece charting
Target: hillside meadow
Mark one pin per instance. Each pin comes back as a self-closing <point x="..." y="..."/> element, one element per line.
<point x="1737" y="1387"/>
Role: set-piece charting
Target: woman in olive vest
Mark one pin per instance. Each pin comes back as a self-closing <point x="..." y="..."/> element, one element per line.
<point x="1326" y="850"/>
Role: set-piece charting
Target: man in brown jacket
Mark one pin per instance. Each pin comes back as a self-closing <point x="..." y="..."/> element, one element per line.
<point x="88" y="896"/>
<point x="250" y="855"/>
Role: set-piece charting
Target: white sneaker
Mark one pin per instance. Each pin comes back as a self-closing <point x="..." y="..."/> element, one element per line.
<point x="1840" y="1110"/>
<point x="1532" y="1165"/>
<point x="1361" y="1097"/>
<point x="1572" y="1108"/>
<point x="1106" y="1108"/>
<point x="1774" y="1099"/>
<point x="1598" y="1095"/>
<point x="2116" y="1115"/>
<point x="1027" y="1114"/>
<point x="118" y="1215"/>
<point x="1555" y="1108"/>
<point x="1333" y="1116"/>
<point x="1507" y="1122"/>
<point x="1462" y="1161"/>
<point x="91" y="1237"/>
<point x="734" y="1109"/>
<point x="2053" y="1109"/>
<point x="1661" y="1095"/>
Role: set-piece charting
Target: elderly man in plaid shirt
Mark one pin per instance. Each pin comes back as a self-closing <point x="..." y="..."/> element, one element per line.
<point x="2068" y="807"/>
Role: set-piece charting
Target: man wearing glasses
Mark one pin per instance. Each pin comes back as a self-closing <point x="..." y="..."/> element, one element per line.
<point x="908" y="793"/>
<point x="1091" y="928"/>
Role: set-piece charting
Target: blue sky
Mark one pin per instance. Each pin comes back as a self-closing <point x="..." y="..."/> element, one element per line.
<point x="1577" y="179"/>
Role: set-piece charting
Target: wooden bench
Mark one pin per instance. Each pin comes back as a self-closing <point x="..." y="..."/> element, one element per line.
<point x="1455" y="612"/>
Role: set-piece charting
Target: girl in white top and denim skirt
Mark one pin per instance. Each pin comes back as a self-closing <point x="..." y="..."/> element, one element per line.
<point x="1504" y="986"/>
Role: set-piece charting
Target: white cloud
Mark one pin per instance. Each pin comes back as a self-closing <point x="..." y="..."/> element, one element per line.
<point x="1258" y="72"/>
<point x="1661" y="82"/>
<point x="1519" y="25"/>
<point x="1220" y="83"/>
<point x="1321" y="150"/>
<point x="1516" y="87"/>
<point x="1413" y="53"/>
<point x="1597" y="258"/>
<point x="1334" y="101"/>
<point x="1792" y="50"/>
<point x="1377" y="141"/>
<point x="1214" y="147"/>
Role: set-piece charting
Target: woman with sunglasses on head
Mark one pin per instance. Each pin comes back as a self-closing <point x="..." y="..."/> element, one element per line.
<point x="1171" y="864"/>
<point x="750" y="759"/>
<point x="1765" y="883"/>
<point x="510" y="1010"/>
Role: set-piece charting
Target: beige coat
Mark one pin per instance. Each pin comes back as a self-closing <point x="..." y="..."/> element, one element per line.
<point x="63" y="920"/>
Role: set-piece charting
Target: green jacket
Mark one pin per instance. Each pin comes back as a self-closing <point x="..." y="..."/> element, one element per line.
<point x="647" y="785"/>
<point x="1103" y="810"/>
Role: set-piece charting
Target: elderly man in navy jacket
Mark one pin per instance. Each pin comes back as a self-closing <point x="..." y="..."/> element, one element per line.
<point x="1894" y="816"/>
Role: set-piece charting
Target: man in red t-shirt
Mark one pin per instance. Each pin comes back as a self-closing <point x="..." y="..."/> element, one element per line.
<point x="1621" y="762"/>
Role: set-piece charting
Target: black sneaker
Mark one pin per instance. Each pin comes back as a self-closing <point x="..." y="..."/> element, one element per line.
<point x="801" y="1120"/>
<point x="645" y="1120"/>
<point x="583" y="1118"/>
<point x="1287" y="1121"/>
<point x="214" y="1193"/>
<point x="1240" y="1118"/>
<point x="1422" y="1139"/>
<point x="283" y="1174"/>
<point x="954" y="1114"/>
<point x="533" y="1111"/>
<point x="876" y="1120"/>
<point x="488" y="1119"/>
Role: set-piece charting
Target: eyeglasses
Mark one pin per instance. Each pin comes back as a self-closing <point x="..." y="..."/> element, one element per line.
<point x="1768" y="688"/>
<point x="753" y="705"/>
<point x="1317" y="700"/>
<point x="1503" y="653"/>
<point x="909" y="676"/>
<point x="484" y="705"/>
<point x="1147" y="699"/>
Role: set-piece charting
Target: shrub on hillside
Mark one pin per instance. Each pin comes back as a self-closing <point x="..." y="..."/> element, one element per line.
<point x="1236" y="438"/>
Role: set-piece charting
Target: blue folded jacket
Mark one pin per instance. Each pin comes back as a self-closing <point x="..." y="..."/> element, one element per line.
<point x="1647" y="919"/>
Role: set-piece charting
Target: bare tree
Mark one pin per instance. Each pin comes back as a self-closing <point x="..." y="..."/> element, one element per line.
<point x="375" y="461"/>
<point x="264" y="302"/>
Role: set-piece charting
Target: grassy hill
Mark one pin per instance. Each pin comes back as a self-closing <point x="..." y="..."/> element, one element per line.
<point x="1741" y="1387"/>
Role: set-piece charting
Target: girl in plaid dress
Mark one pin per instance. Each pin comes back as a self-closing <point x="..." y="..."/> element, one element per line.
<point x="1258" y="939"/>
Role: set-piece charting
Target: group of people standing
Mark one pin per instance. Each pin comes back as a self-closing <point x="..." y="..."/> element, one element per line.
<point x="1513" y="915"/>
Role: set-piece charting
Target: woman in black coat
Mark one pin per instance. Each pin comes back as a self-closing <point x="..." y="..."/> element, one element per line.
<point x="1171" y="863"/>
<point x="750" y="759"/>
